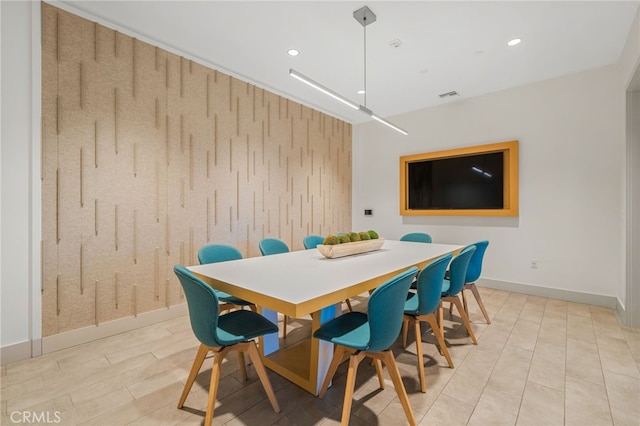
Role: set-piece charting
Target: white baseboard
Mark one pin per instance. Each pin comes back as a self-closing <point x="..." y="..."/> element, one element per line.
<point x="16" y="352"/>
<point x="37" y="347"/>
<point x="110" y="328"/>
<point x="554" y="293"/>
<point x="621" y="313"/>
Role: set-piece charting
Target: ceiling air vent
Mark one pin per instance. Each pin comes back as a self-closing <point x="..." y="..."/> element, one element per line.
<point x="448" y="94"/>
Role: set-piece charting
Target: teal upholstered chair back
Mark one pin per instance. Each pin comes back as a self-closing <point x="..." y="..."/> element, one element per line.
<point x="429" y="284"/>
<point x="270" y="246"/>
<point x="203" y="306"/>
<point x="458" y="270"/>
<point x="213" y="253"/>
<point x="311" y="241"/>
<point x="386" y="309"/>
<point x="417" y="237"/>
<point x="475" y="264"/>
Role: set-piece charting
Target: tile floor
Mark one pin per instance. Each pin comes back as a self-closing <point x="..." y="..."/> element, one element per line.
<point x="540" y="362"/>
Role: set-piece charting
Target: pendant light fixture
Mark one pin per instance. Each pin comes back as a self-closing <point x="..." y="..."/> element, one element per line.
<point x="365" y="17"/>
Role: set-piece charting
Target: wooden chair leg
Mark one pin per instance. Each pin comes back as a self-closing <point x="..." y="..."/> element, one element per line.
<point x="203" y="350"/>
<point x="243" y="366"/>
<point x="337" y="359"/>
<point x="226" y="307"/>
<point x="390" y="362"/>
<point x="252" y="350"/>
<point x="354" y="361"/>
<point x="284" y="328"/>
<point x="465" y="318"/>
<point x="213" y="384"/>
<point x="349" y="305"/>
<point x="405" y="330"/>
<point x="378" y="365"/>
<point x="431" y="319"/>
<point x="476" y="294"/>
<point x="441" y="319"/>
<point x="464" y="300"/>
<point x="423" y="382"/>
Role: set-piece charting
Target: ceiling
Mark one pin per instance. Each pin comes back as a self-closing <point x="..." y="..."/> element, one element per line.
<point x="446" y="45"/>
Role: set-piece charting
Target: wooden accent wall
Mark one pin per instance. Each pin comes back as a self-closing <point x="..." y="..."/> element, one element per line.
<point x="148" y="156"/>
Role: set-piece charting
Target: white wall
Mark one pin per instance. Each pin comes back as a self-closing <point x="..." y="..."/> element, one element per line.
<point x="571" y="133"/>
<point x="630" y="58"/>
<point x="15" y="153"/>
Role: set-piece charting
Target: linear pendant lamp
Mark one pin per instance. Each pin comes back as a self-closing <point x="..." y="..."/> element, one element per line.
<point x="365" y="17"/>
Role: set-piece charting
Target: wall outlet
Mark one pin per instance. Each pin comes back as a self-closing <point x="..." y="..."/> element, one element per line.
<point x="368" y="212"/>
<point x="533" y="264"/>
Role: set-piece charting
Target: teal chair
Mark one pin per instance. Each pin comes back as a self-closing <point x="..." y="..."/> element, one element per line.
<point x="422" y="306"/>
<point x="452" y="287"/>
<point x="268" y="247"/>
<point x="310" y="242"/>
<point x="221" y="334"/>
<point x="214" y="253"/>
<point x="417" y="237"/>
<point x="473" y="273"/>
<point x="361" y="335"/>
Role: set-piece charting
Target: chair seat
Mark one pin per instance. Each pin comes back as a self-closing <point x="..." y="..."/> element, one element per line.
<point x="350" y="330"/>
<point x="445" y="287"/>
<point x="411" y="305"/>
<point x="238" y="326"/>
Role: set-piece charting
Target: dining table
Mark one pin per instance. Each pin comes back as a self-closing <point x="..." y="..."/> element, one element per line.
<point x="304" y="282"/>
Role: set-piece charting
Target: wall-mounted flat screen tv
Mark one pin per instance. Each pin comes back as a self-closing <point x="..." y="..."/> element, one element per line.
<point x="479" y="181"/>
<point x="468" y="182"/>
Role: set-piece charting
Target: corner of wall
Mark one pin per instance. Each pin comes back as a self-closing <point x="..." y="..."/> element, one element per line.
<point x="621" y="313"/>
<point x="16" y="352"/>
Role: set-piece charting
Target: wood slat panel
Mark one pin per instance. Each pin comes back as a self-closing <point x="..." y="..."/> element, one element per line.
<point x="159" y="155"/>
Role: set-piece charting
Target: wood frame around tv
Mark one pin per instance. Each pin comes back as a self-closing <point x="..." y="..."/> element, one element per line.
<point x="510" y="207"/>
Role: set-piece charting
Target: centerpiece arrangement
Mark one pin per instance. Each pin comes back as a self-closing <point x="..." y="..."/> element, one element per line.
<point x="350" y="243"/>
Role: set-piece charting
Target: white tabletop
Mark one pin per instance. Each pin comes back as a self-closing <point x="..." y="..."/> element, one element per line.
<point x="302" y="276"/>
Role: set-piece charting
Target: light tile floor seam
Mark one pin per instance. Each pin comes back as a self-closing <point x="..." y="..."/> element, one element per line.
<point x="494" y="364"/>
<point x="529" y="370"/>
<point x="606" y="390"/>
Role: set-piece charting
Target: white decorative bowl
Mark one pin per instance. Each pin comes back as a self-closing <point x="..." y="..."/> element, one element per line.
<point x="348" y="249"/>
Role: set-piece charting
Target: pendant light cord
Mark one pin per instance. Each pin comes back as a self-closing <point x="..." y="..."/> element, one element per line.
<point x="365" y="62"/>
<point x="361" y="15"/>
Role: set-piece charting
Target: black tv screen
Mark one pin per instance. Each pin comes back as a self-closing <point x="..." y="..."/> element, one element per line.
<point x="464" y="182"/>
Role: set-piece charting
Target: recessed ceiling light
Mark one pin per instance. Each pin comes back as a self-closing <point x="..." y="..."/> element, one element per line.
<point x="360" y="92"/>
<point x="514" y="42"/>
<point x="293" y="52"/>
